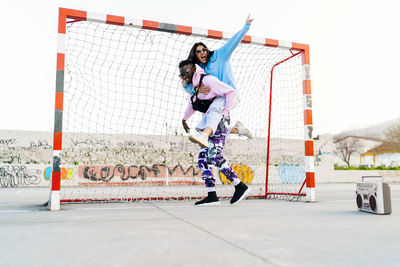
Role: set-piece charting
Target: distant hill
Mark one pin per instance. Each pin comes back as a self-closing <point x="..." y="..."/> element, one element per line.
<point x="373" y="131"/>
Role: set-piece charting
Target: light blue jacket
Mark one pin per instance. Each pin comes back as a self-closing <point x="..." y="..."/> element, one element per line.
<point x="219" y="65"/>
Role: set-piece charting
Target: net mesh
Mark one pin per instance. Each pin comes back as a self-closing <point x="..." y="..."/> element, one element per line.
<point x="123" y="106"/>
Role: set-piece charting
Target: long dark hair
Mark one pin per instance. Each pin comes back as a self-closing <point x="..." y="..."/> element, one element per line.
<point x="192" y="53"/>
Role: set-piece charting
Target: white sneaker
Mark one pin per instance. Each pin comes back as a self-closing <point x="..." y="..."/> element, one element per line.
<point x="243" y="130"/>
<point x="199" y="138"/>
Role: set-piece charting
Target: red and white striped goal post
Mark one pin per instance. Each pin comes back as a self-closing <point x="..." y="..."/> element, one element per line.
<point x="78" y="15"/>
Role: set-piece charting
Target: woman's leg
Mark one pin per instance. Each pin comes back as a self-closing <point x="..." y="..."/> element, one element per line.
<point x="209" y="123"/>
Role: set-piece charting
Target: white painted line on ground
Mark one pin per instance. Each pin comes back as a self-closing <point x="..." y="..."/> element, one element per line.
<point x="14" y="211"/>
<point x="221" y="206"/>
<point x="338" y="201"/>
<point x="352" y="200"/>
<point x="122" y="208"/>
<point x="191" y="206"/>
<point x="12" y="193"/>
<point x="186" y="206"/>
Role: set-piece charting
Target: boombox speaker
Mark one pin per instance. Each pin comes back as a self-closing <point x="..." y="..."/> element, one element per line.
<point x="373" y="195"/>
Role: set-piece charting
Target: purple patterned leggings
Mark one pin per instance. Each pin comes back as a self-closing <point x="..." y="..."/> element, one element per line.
<point x="213" y="156"/>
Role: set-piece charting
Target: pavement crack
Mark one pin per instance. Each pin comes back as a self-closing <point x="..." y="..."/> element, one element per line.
<point x="251" y="253"/>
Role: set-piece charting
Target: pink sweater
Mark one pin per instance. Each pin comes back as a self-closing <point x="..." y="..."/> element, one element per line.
<point x="217" y="88"/>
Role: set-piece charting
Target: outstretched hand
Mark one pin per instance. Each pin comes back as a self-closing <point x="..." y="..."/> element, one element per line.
<point x="249" y="20"/>
<point x="185" y="126"/>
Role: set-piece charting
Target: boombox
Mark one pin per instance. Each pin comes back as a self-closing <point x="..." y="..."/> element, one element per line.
<point x="373" y="196"/>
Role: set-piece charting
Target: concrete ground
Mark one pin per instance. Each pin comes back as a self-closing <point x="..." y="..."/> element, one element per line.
<point x="330" y="232"/>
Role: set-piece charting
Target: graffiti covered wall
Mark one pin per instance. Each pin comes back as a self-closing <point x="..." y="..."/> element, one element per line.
<point x="25" y="160"/>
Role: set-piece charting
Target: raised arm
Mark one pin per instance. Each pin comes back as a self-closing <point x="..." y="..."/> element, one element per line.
<point x="227" y="49"/>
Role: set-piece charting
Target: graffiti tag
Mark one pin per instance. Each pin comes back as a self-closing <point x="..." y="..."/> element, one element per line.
<point x="18" y="175"/>
<point x="107" y="173"/>
<point x="40" y="143"/>
<point x="66" y="173"/>
<point x="243" y="172"/>
<point x="136" y="144"/>
<point x="291" y="173"/>
<point x="89" y="142"/>
<point x="7" y="142"/>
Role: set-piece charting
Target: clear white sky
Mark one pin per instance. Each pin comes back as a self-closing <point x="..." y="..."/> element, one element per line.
<point x="354" y="55"/>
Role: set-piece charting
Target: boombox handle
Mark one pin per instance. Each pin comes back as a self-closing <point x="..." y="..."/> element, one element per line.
<point x="363" y="177"/>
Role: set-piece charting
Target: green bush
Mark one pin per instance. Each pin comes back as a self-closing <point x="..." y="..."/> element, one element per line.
<point x="366" y="168"/>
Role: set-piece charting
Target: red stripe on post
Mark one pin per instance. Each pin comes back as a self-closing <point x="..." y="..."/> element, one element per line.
<point x="309" y="148"/>
<point x="115" y="20"/>
<point x="306" y="55"/>
<point x="310" y="179"/>
<point x="246" y="39"/>
<point x="57" y="141"/>
<point x="60" y="61"/>
<point x="151" y="25"/>
<point x="76" y="14"/>
<point x="184" y="29"/>
<point x="62" y="20"/>
<point x="59" y="100"/>
<point x="306" y="87"/>
<point x="214" y="34"/>
<point x="271" y="42"/>
<point x="55" y="183"/>
<point x="307" y="117"/>
<point x="300" y="47"/>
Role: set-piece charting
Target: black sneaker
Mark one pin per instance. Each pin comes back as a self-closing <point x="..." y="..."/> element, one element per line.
<point x="241" y="191"/>
<point x="210" y="200"/>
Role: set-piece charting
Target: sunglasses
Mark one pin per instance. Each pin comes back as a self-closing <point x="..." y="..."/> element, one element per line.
<point x="184" y="74"/>
<point x="202" y="50"/>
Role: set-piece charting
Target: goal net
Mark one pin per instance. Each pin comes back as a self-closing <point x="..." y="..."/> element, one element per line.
<point x="122" y="103"/>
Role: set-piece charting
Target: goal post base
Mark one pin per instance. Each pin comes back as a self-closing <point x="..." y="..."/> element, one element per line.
<point x="310" y="191"/>
<point x="54" y="201"/>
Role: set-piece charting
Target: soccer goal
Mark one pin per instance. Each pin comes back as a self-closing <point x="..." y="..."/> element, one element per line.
<point x="119" y="104"/>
